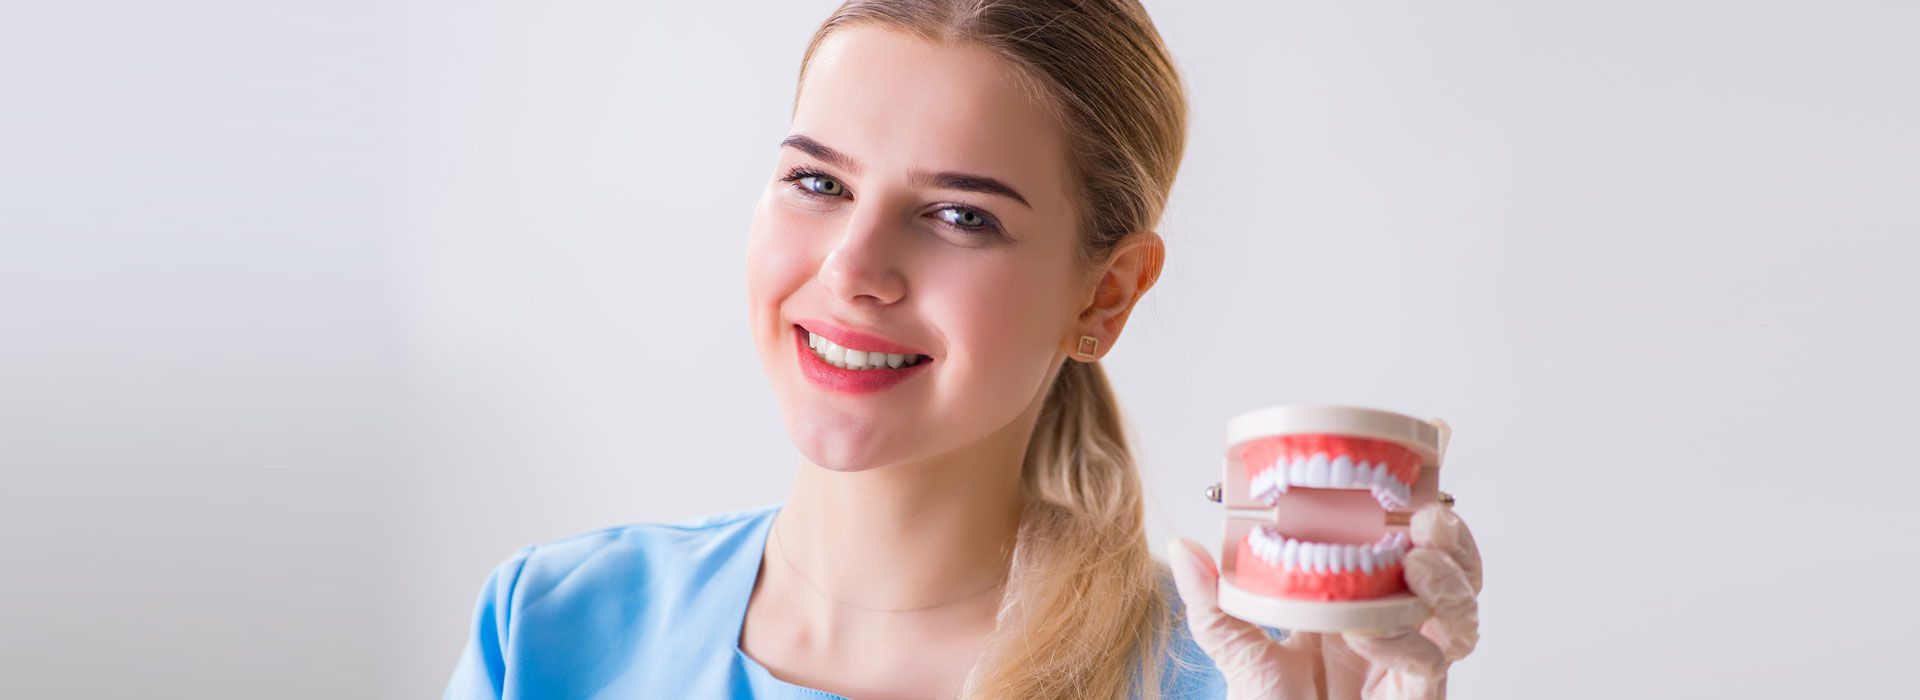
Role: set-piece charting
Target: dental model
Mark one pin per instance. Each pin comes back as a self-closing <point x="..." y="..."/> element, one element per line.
<point x="1318" y="501"/>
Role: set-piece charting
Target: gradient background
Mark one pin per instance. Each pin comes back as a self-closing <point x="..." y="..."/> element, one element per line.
<point x="313" y="312"/>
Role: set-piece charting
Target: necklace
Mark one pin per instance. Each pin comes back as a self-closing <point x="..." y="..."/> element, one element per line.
<point x="781" y="544"/>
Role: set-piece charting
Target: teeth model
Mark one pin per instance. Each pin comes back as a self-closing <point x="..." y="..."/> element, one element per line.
<point x="1270" y="562"/>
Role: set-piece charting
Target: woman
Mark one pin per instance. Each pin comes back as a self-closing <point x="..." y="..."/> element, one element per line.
<point x="958" y="225"/>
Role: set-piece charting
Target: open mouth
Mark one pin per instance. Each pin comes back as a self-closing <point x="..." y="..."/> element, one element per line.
<point x="1273" y="563"/>
<point x="857" y="359"/>
<point x="835" y="367"/>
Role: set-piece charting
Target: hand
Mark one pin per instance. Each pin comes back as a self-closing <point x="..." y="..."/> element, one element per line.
<point x="1442" y="569"/>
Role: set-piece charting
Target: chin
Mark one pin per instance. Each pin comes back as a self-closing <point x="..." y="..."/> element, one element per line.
<point x="836" y="448"/>
<point x="844" y="464"/>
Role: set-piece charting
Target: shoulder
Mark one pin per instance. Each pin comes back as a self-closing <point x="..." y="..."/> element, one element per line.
<point x="640" y="568"/>
<point x="635" y="554"/>
<point x="559" y="614"/>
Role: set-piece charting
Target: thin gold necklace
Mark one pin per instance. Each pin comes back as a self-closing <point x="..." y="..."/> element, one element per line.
<point x="781" y="544"/>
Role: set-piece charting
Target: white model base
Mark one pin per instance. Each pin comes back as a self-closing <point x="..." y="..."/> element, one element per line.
<point x="1390" y="614"/>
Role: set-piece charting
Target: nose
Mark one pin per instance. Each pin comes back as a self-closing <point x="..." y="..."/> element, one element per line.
<point x="864" y="262"/>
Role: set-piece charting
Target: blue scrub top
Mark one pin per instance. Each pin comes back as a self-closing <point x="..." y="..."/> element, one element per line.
<point x="654" y="610"/>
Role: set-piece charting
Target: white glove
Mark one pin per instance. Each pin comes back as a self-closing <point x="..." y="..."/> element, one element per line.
<point x="1443" y="569"/>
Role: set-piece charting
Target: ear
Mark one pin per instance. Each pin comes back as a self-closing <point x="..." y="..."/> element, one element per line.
<point x="1129" y="272"/>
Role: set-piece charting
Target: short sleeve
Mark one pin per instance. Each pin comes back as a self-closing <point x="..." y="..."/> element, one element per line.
<point x="482" y="670"/>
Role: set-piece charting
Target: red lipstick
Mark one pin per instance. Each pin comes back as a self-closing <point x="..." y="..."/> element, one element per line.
<point x="853" y="381"/>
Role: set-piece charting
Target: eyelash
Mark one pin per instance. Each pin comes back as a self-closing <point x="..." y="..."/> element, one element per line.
<point x="794" y="176"/>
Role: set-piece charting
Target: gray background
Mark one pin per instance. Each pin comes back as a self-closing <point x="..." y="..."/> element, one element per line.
<point x="314" y="312"/>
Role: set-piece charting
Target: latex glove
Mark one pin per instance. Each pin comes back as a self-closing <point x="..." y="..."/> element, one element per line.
<point x="1442" y="569"/>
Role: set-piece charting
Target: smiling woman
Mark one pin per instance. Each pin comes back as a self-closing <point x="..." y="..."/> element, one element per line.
<point x="958" y="224"/>
<point x="983" y="177"/>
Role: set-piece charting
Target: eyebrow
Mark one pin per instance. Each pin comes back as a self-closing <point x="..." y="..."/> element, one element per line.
<point x="945" y="180"/>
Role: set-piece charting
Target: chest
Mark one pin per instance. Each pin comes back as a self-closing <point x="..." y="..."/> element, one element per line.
<point x="884" y="660"/>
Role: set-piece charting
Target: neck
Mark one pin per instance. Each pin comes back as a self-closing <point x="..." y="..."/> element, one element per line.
<point x="932" y="537"/>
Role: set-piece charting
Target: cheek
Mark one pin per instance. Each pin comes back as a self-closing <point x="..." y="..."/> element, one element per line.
<point x="778" y="257"/>
<point x="1006" y="317"/>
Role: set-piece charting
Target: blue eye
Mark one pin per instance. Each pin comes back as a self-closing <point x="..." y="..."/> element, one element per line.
<point x="813" y="183"/>
<point x="967" y="218"/>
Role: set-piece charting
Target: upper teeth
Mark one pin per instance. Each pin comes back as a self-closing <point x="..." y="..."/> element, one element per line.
<point x="1318" y="471"/>
<point x="848" y="358"/>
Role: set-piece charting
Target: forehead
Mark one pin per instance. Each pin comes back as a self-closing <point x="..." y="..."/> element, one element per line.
<point x="896" y="102"/>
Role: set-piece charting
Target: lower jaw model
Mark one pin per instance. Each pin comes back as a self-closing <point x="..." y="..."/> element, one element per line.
<point x="1318" y="501"/>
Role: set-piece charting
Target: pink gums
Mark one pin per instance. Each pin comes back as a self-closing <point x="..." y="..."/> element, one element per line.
<point x="1271" y="579"/>
<point x="1259" y="454"/>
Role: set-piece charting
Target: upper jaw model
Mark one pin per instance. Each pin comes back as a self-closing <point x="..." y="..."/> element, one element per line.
<point x="1319" y="498"/>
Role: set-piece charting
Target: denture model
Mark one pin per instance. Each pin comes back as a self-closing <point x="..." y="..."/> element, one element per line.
<point x="1318" y="500"/>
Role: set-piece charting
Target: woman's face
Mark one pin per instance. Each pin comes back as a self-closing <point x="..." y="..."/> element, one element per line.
<point x="921" y="198"/>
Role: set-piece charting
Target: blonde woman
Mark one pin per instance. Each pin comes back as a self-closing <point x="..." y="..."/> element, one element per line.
<point x="956" y="228"/>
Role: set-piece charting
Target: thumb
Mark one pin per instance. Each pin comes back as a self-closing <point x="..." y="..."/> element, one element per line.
<point x="1198" y="582"/>
<point x="1194" y="573"/>
<point x="1245" y="655"/>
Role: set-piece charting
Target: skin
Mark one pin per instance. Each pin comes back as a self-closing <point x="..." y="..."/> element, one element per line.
<point x="909" y="498"/>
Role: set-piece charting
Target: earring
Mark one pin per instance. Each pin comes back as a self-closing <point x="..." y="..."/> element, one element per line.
<point x="1088" y="344"/>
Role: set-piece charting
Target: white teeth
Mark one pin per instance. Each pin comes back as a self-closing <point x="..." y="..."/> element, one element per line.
<point x="1267" y="485"/>
<point x="1320" y="471"/>
<point x="1342" y="472"/>
<point x="1327" y="558"/>
<point x="846" y="358"/>
<point x="1392" y="494"/>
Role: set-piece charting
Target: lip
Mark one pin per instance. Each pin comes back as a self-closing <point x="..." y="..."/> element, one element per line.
<point x="848" y="381"/>
<point x="849" y="338"/>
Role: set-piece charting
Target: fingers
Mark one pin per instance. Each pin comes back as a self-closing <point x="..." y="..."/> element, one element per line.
<point x="1347" y="672"/>
<point x="1405" y="665"/>
<point x="1438" y="526"/>
<point x="1444" y="571"/>
<point x="1440" y="583"/>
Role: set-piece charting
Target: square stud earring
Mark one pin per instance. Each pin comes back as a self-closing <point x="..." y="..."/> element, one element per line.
<point x="1088" y="344"/>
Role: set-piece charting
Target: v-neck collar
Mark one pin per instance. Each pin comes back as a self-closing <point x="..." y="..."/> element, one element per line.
<point x="756" y="549"/>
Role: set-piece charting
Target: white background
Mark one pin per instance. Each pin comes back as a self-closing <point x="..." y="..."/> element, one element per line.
<point x="314" y="312"/>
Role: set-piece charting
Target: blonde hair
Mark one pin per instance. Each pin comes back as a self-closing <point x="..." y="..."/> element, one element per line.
<point x="1085" y="613"/>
